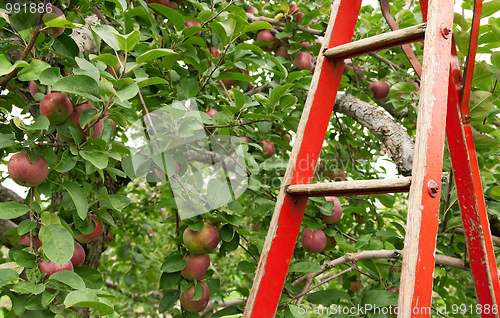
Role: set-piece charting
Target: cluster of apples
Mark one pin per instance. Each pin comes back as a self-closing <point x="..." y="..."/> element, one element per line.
<point x="199" y="244"/>
<point x="49" y="267"/>
<point x="317" y="241"/>
<point x="303" y="60"/>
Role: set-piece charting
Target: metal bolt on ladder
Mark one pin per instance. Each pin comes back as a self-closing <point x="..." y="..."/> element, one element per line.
<point x="442" y="110"/>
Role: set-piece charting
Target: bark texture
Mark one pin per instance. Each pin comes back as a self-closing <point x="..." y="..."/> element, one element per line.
<point x="383" y="126"/>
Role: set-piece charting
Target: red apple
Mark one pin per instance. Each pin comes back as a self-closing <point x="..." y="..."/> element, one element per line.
<point x="298" y="17"/>
<point x="245" y="139"/>
<point x="252" y="10"/>
<point x="196" y="266"/>
<point x="266" y="35"/>
<point x="282" y="51"/>
<point x="203" y="241"/>
<point x="293" y="7"/>
<point x="380" y="89"/>
<point x="304" y="61"/>
<point x="330" y="219"/>
<point x="330" y="243"/>
<point x="191" y="305"/>
<point x="75" y="119"/>
<point x="78" y="256"/>
<point x="25" y="173"/>
<point x="256" y="227"/>
<point x="166" y="3"/>
<point x="313" y="241"/>
<point x="48" y="16"/>
<point x="173" y="5"/>
<point x="356" y="286"/>
<point x="305" y="44"/>
<point x="189" y="23"/>
<point x="394" y="290"/>
<point x="50" y="268"/>
<point x="117" y="70"/>
<point x="334" y="177"/>
<point x="215" y="52"/>
<point x="57" y="107"/>
<point x="34" y="89"/>
<point x="109" y="237"/>
<point x="85" y="238"/>
<point x="286" y="137"/>
<point x="267" y="149"/>
<point x="211" y="112"/>
<point x="25" y="240"/>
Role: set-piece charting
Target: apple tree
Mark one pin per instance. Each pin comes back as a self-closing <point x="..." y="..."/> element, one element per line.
<point x="152" y="138"/>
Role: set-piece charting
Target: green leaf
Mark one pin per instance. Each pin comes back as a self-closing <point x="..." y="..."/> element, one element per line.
<point x="151" y="81"/>
<point x="32" y="72"/>
<point x="81" y="85"/>
<point x="235" y="76"/>
<point x="175" y="17"/>
<point x="484" y="142"/>
<point x="174" y="262"/>
<point x="218" y="194"/>
<point x="480" y="105"/>
<point x="6" y="67"/>
<point x="251" y="47"/>
<point x="69" y="278"/>
<point x="256" y="26"/>
<point x="188" y="88"/>
<point x="305" y="267"/>
<point x="278" y="92"/>
<point x="327" y="297"/>
<point x="12" y="209"/>
<point x="295" y="311"/>
<point x="66" y="46"/>
<point x="380" y="298"/>
<point x="118" y="201"/>
<point x="41" y="123"/>
<point x="127" y="92"/>
<point x="79" y="198"/>
<point x="57" y="243"/>
<point x="153" y="54"/>
<point x="490" y="8"/>
<point x="91" y="276"/>
<point x="67" y="162"/>
<point x="88" y="298"/>
<point x="129" y="41"/>
<point x="107" y="33"/>
<point x="6" y="140"/>
<point x="25" y="259"/>
<point x="495" y="59"/>
<point x="25" y="226"/>
<point x="50" y="75"/>
<point x="220" y="31"/>
<point x="7" y="275"/>
<point x="99" y="160"/>
<point x="48" y="218"/>
<point x="168" y="300"/>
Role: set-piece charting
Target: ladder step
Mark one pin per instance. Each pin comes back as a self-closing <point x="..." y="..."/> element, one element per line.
<point x="378" y="42"/>
<point x="354" y="187"/>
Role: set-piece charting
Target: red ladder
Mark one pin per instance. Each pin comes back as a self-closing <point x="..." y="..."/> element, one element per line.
<point x="443" y="109"/>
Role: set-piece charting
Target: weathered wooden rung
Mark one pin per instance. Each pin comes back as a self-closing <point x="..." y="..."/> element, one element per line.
<point x="354" y="187"/>
<point x="378" y="42"/>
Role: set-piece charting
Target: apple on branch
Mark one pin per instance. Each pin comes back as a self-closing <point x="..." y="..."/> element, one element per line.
<point x="48" y="16"/>
<point x="85" y="238"/>
<point x="57" y="107"/>
<point x="25" y="240"/>
<point x="50" y="268"/>
<point x="380" y="89"/>
<point x="75" y="119"/>
<point x="196" y="266"/>
<point x="191" y="305"/>
<point x="203" y="241"/>
<point x="304" y="61"/>
<point x="313" y="241"/>
<point x="267" y="149"/>
<point x="266" y="35"/>
<point x="331" y="219"/>
<point x="25" y="173"/>
<point x="78" y="256"/>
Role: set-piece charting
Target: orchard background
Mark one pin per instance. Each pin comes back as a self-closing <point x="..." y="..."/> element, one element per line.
<point x="246" y="65"/>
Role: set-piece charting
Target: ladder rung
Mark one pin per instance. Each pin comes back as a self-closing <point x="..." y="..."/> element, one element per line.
<point x="354" y="187"/>
<point x="378" y="42"/>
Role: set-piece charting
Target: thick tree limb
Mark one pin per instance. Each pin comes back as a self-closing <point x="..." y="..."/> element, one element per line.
<point x="383" y="126"/>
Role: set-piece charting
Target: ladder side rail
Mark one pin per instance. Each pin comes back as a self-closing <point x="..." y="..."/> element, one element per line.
<point x="423" y="205"/>
<point x="289" y="210"/>
<point x="472" y="205"/>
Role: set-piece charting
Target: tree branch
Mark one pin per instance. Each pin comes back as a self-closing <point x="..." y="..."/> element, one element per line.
<point x="384" y="127"/>
<point x="302" y="28"/>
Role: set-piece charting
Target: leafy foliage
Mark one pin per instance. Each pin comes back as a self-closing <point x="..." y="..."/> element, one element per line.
<point x="145" y="71"/>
